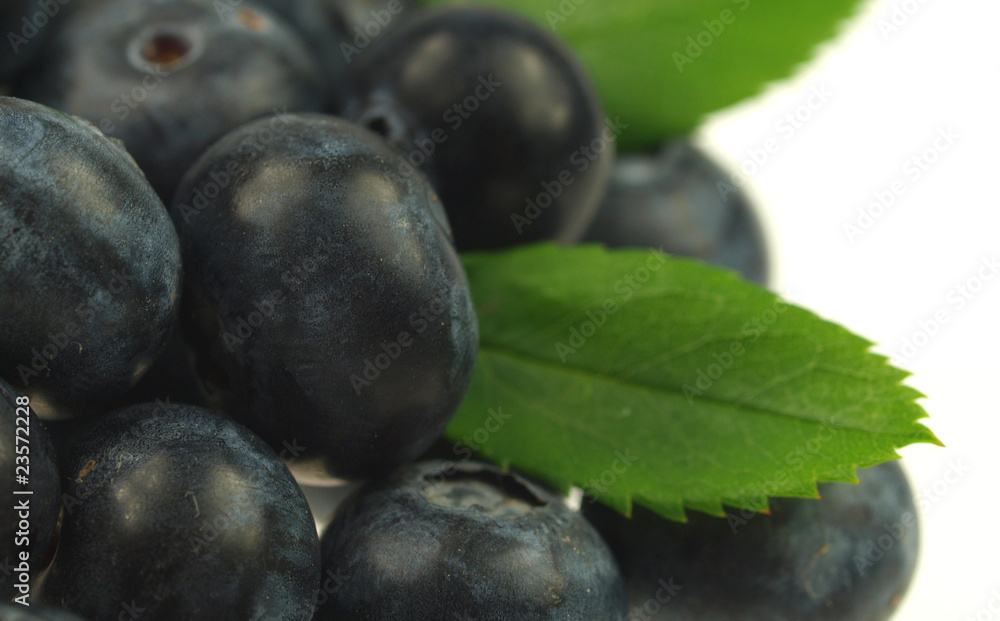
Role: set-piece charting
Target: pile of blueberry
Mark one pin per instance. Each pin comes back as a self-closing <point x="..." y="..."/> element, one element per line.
<point x="229" y="266"/>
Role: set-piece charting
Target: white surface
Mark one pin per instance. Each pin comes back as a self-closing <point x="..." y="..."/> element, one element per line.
<point x="892" y="92"/>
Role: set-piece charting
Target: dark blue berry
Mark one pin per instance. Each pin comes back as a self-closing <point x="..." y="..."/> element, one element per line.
<point x="179" y="513"/>
<point x="329" y="308"/>
<point x="846" y="557"/>
<point x="680" y="201"/>
<point x="89" y="263"/>
<point x="500" y="116"/>
<point x="170" y="78"/>
<point x="441" y="541"/>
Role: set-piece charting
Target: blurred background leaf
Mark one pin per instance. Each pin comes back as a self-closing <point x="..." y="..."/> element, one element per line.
<point x="662" y="65"/>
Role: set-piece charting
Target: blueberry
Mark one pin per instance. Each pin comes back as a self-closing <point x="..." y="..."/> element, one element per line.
<point x="680" y="201"/>
<point x="181" y="513"/>
<point x="500" y="116"/>
<point x="307" y="17"/>
<point x="23" y="25"/>
<point x="362" y="21"/>
<point x="170" y="78"/>
<point x="329" y="308"/>
<point x="17" y="612"/>
<point x="25" y="450"/>
<point x="89" y="263"/>
<point x="311" y="20"/>
<point x="440" y="541"/>
<point x="847" y="557"/>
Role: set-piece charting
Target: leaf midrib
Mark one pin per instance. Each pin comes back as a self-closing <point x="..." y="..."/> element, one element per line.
<point x="593" y="376"/>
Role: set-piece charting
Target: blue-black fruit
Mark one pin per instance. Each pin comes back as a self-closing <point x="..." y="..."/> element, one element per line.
<point x="846" y="557"/>
<point x="179" y="513"/>
<point x="89" y="263"/>
<point x="500" y="116"/>
<point x="360" y="22"/>
<point x="438" y="540"/>
<point x="330" y="311"/>
<point x="170" y="78"/>
<point x="681" y="202"/>
<point x="29" y="513"/>
<point x="311" y="19"/>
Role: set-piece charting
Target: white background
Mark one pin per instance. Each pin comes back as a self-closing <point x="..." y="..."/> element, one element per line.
<point x="891" y="93"/>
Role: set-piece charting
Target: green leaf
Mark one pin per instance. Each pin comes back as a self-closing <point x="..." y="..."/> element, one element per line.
<point x="664" y="381"/>
<point x="651" y="69"/>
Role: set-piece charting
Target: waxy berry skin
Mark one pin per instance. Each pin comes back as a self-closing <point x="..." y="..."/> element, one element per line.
<point x="25" y="450"/>
<point x="170" y="78"/>
<point x="312" y="21"/>
<point x="498" y="114"/>
<point x="359" y="22"/>
<point x="848" y="556"/>
<point x="439" y="540"/>
<point x="180" y="513"/>
<point x="89" y="263"/>
<point x="681" y="202"/>
<point x="330" y="311"/>
<point x="307" y="17"/>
